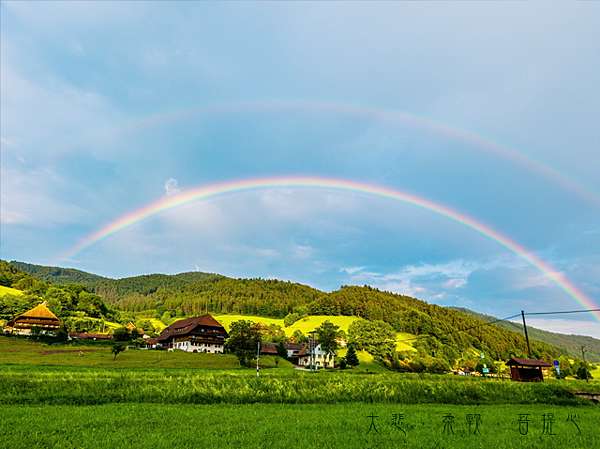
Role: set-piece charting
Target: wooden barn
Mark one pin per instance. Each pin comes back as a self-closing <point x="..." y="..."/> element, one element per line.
<point x="40" y="319"/>
<point x="527" y="370"/>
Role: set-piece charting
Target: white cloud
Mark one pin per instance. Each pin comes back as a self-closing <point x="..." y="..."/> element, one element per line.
<point x="429" y="281"/>
<point x="52" y="118"/>
<point x="172" y="187"/>
<point x="26" y="198"/>
<point x="302" y="251"/>
<point x="5" y="142"/>
<point x="566" y="326"/>
<point x="351" y="270"/>
<point x="455" y="283"/>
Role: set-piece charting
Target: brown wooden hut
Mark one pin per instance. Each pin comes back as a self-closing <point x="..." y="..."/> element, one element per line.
<point x="527" y="370"/>
<point x="40" y="317"/>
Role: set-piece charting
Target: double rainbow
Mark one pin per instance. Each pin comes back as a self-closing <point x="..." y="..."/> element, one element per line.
<point x="214" y="190"/>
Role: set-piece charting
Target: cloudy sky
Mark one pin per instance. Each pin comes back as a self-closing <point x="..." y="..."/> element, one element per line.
<point x="489" y="109"/>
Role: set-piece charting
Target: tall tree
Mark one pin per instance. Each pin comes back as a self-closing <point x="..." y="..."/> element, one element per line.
<point x="327" y="334"/>
<point x="376" y="337"/>
<point x="243" y="340"/>
<point x="351" y="357"/>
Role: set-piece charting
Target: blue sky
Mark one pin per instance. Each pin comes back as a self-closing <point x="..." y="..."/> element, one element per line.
<point x="106" y="107"/>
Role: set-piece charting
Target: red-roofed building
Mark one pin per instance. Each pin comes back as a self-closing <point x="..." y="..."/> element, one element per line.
<point x="197" y="334"/>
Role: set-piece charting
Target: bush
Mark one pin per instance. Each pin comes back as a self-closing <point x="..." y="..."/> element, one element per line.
<point x="121" y="334"/>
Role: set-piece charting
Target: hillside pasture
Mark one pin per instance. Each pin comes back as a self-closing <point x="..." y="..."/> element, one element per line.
<point x="9" y="291"/>
<point x="404" y="341"/>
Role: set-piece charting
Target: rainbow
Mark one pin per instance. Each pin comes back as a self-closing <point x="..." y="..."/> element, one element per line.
<point x="205" y="192"/>
<point x="390" y="116"/>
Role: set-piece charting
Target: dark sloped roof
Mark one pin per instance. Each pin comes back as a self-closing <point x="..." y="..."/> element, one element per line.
<point x="294" y="346"/>
<point x="268" y="348"/>
<point x="528" y="362"/>
<point x="183" y="327"/>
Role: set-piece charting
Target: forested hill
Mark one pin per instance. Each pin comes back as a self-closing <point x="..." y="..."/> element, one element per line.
<point x="58" y="275"/>
<point x="67" y="301"/>
<point x="117" y="291"/>
<point x="441" y="330"/>
<point x="570" y="343"/>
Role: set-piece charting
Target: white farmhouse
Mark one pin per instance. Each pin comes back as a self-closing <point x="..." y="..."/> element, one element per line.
<point x="322" y="359"/>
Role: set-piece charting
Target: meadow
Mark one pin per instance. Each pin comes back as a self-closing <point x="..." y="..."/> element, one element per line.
<point x="346" y="425"/>
<point x="23" y="384"/>
<point x="19" y="351"/>
<point x="76" y="396"/>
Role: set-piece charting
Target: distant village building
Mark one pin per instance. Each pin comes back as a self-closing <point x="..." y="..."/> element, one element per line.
<point x="40" y="319"/>
<point x="197" y="334"/>
<point x="322" y="359"/>
<point x="527" y="370"/>
<point x="132" y="327"/>
<point x="293" y="350"/>
<point x="151" y="343"/>
<point x="268" y="349"/>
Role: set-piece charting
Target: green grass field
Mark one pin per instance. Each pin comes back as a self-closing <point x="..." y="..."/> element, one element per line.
<point x="18" y="351"/>
<point x="27" y="384"/>
<point x="159" y="426"/>
<point x="66" y="396"/>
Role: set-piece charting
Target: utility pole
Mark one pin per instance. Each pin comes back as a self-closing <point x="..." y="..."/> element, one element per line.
<point x="526" y="336"/>
<point x="584" y="363"/>
<point x="311" y="346"/>
<point x="257" y="358"/>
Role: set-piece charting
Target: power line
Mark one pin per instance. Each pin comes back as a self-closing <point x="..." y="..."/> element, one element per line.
<point x="562" y="311"/>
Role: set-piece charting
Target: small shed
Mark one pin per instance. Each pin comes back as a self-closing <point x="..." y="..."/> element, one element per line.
<point x="527" y="370"/>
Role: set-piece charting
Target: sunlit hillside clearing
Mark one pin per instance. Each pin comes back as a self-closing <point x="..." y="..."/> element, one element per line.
<point x="10" y="291"/>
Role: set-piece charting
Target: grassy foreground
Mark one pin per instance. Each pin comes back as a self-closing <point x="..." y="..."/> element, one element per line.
<point x="92" y="386"/>
<point x="283" y="426"/>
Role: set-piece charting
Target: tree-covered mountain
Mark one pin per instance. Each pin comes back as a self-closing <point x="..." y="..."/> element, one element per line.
<point x="66" y="301"/>
<point x="58" y="275"/>
<point x="571" y="344"/>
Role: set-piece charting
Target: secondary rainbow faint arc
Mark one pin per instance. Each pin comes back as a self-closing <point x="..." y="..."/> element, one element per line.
<point x="205" y="192"/>
<point x="390" y="116"/>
